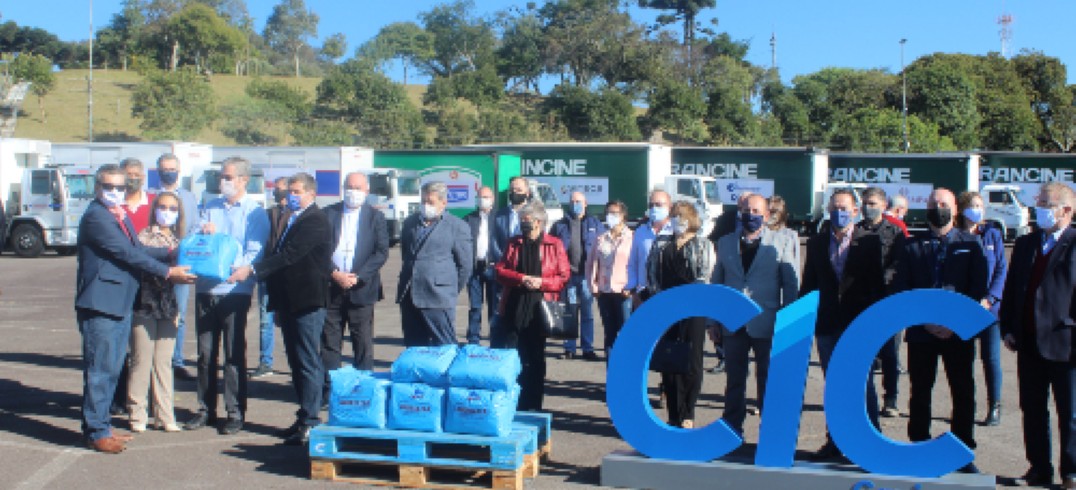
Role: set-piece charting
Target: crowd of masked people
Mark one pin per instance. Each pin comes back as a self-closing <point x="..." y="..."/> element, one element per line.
<point x="317" y="275"/>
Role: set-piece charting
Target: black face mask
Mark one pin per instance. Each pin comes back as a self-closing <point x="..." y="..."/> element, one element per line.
<point x="517" y="199"/>
<point x="526" y="227"/>
<point x="939" y="217"/>
<point x="279" y="195"/>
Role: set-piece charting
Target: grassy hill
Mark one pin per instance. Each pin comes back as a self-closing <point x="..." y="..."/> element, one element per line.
<point x="65" y="107"/>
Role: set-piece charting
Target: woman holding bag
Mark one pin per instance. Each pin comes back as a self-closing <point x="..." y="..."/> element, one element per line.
<point x="153" y="325"/>
<point x="534" y="268"/>
<point x="676" y="260"/>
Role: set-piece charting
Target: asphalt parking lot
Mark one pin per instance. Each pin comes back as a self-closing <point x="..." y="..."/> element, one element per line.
<point x="40" y="396"/>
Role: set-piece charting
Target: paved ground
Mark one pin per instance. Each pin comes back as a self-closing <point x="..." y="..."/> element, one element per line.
<point x="40" y="391"/>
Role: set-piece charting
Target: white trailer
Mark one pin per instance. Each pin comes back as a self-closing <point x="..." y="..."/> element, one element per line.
<point x="194" y="158"/>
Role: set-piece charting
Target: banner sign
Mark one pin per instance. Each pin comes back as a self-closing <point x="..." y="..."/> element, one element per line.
<point x="463" y="184"/>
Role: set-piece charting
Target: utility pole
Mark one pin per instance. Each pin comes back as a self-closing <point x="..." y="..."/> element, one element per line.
<point x="89" y="79"/>
<point x="773" y="50"/>
<point x="904" y="97"/>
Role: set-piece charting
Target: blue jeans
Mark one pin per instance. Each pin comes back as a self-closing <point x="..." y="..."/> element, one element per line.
<point x="265" y="345"/>
<point x="825" y="344"/>
<point x="104" y="344"/>
<point x="302" y="344"/>
<point x="183" y="292"/>
<point x="481" y="287"/>
<point x="614" y="309"/>
<point x="578" y="293"/>
<point x="990" y="353"/>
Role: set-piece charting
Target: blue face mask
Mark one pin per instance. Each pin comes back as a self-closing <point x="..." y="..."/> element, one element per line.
<point x="839" y="219"/>
<point x="169" y="178"/>
<point x="293" y="202"/>
<point x="974" y="215"/>
<point x="577" y="209"/>
<point x="658" y="214"/>
<point x="1045" y="218"/>
<point x="751" y="222"/>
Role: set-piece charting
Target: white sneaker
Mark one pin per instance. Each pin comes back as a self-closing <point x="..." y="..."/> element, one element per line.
<point x="138" y="427"/>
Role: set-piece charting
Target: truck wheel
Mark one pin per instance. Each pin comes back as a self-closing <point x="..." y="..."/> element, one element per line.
<point x="27" y="241"/>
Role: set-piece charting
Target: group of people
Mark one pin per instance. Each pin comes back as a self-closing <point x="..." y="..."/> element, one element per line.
<point x="318" y="274"/>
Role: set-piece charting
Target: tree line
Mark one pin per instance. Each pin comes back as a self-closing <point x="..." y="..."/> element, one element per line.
<point x="613" y="78"/>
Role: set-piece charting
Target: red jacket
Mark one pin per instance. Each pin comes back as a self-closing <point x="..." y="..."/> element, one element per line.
<point x="555" y="269"/>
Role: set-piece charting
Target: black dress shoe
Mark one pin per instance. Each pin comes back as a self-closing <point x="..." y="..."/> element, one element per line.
<point x="993" y="418"/>
<point x="970" y="469"/>
<point x="200" y="419"/>
<point x="180" y="372"/>
<point x="590" y="356"/>
<point x="1035" y="478"/>
<point x="300" y="438"/>
<point x="231" y="426"/>
<point x="290" y="431"/>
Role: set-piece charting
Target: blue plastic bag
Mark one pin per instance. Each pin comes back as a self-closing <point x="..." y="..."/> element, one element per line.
<point x="358" y="398"/>
<point x="209" y="256"/>
<point x="484" y="368"/>
<point x="417" y="406"/>
<point x="427" y="365"/>
<point x="482" y="412"/>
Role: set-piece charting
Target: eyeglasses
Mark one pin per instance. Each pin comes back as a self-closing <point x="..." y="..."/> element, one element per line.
<point x="167" y="208"/>
<point x="228" y="177"/>
<point x="657" y="204"/>
<point x="113" y="187"/>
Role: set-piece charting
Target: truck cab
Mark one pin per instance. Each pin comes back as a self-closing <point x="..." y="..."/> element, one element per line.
<point x="396" y="193"/>
<point x="1006" y="210"/>
<point x="543" y="193"/>
<point x="700" y="191"/>
<point x="45" y="213"/>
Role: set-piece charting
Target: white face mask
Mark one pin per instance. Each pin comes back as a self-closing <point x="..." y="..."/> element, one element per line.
<point x="612" y="220"/>
<point x="680" y="226"/>
<point x="485" y="203"/>
<point x="430" y="212"/>
<point x="354" y="198"/>
<point x="166" y="217"/>
<point x="114" y="198"/>
<point x="228" y="189"/>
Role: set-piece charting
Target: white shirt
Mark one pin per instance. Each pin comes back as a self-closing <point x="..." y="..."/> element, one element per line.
<point x="344" y="255"/>
<point x="483" y="236"/>
<point x="1050" y="240"/>
<point x="513" y="223"/>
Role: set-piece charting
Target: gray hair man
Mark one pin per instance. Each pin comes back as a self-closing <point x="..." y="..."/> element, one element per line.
<point x="482" y="286"/>
<point x="438" y="257"/>
<point x="578" y="231"/>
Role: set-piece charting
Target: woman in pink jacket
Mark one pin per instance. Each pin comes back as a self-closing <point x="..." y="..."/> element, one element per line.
<point x="607" y="272"/>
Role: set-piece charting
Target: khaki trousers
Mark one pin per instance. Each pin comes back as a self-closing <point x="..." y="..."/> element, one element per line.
<point x="153" y="342"/>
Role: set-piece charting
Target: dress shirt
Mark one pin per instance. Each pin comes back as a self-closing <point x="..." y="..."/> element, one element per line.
<point x="640" y="251"/>
<point x="344" y="255"/>
<point x="482" y="250"/>
<point x="838" y="251"/>
<point x="513" y="223"/>
<point x="248" y="223"/>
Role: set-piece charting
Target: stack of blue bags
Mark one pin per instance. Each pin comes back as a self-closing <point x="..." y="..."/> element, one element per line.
<point x="432" y="389"/>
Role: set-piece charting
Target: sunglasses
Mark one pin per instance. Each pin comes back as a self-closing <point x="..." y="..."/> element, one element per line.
<point x="113" y="187"/>
<point x="168" y="208"/>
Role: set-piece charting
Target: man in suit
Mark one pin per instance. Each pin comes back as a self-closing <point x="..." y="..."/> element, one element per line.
<point x="729" y="222"/>
<point x="845" y="266"/>
<point x="506" y="226"/>
<point x="762" y="264"/>
<point x="438" y="257"/>
<point x="111" y="261"/>
<point x="168" y="171"/>
<point x="278" y="220"/>
<point x="483" y="284"/>
<point x="360" y="249"/>
<point x="578" y="231"/>
<point x="297" y="275"/>
<point x="943" y="258"/>
<point x="1037" y="318"/>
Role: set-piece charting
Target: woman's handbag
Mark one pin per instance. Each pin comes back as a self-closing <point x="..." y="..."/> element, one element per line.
<point x="671" y="357"/>
<point x="559" y="320"/>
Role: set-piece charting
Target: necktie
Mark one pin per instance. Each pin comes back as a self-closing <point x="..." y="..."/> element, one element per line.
<point x="120" y="215"/>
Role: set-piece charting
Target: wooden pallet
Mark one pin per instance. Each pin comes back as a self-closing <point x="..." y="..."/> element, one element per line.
<point x="414" y="476"/>
<point x="424" y="448"/>
<point x="544" y="422"/>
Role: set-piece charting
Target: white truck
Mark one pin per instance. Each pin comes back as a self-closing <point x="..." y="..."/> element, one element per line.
<point x="194" y="158"/>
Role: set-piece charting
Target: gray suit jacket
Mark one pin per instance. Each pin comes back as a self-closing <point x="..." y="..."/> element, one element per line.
<point x="772" y="282"/>
<point x="436" y="268"/>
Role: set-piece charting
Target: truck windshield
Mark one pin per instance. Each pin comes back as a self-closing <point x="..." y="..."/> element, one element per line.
<point x="379" y="185"/>
<point x="407" y="186"/>
<point x="546" y="195"/>
<point x="712" y="194"/>
<point x="80" y="186"/>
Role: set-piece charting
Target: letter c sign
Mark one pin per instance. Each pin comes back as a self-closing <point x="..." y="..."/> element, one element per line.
<point x="845" y="391"/>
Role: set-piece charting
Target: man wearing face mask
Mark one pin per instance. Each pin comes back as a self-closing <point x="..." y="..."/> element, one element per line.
<point x="168" y="174"/>
<point x="136" y="203"/>
<point x="845" y="267"/>
<point x="221" y="306"/>
<point x="578" y="231"/>
<point x="278" y="220"/>
<point x="360" y="248"/>
<point x="482" y="285"/>
<point x="438" y="257"/>
<point x="1037" y="319"/>
<point x="110" y="263"/>
<point x="657" y="223"/>
<point x="892" y="239"/>
<point x="762" y="264"/>
<point x="730" y="222"/>
<point x="505" y="226"/>
<point x="945" y="257"/>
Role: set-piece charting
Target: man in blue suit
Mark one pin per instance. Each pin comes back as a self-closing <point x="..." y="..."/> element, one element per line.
<point x="483" y="283"/>
<point x="506" y="226"/>
<point x="579" y="230"/>
<point x="110" y="263"/>
<point x="438" y="257"/>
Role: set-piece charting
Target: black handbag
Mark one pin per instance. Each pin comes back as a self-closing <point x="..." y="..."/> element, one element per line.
<point x="671" y="357"/>
<point x="559" y="320"/>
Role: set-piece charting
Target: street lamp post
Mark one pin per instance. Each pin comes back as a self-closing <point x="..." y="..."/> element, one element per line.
<point x="903" y="97"/>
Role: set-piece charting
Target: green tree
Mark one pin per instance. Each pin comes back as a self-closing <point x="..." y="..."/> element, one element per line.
<point x="124" y="35"/>
<point x="255" y="122"/>
<point x="674" y="106"/>
<point x="789" y="111"/>
<point x="403" y="41"/>
<point x="583" y="36"/>
<point x="520" y="57"/>
<point x="685" y="11"/>
<point x="334" y="47"/>
<point x="1050" y="98"/>
<point x="459" y="40"/>
<point x="870" y="129"/>
<point x="605" y="115"/>
<point x="730" y="85"/>
<point x="293" y="102"/>
<point x="37" y="70"/>
<point x="942" y="94"/>
<point x="289" y="27"/>
<point x="375" y="106"/>
<point x="201" y="34"/>
<point x="319" y="132"/>
<point x="173" y="105"/>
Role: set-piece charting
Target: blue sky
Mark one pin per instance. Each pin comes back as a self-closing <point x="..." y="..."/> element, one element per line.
<point x="810" y="35"/>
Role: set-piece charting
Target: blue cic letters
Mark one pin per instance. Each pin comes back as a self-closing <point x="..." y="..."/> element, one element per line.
<point x="845" y="392"/>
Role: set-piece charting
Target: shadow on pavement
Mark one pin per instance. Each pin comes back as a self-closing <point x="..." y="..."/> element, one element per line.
<point x="43" y="360"/>
<point x="279" y="460"/>
<point x="19" y="402"/>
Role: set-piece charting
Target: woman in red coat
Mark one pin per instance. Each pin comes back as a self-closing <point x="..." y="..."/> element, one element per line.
<point x="535" y="267"/>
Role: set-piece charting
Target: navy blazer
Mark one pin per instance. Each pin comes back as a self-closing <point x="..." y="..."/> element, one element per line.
<point x="592" y="228"/>
<point x="296" y="269"/>
<point x="1055" y="300"/>
<point x="862" y="282"/>
<point x="502" y="232"/>
<point x="110" y="264"/>
<point x="493" y="250"/>
<point x="963" y="271"/>
<point x="996" y="265"/>
<point x="435" y="268"/>
<point x="371" y="251"/>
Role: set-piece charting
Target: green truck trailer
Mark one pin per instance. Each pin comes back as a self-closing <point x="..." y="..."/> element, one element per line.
<point x="1028" y="171"/>
<point x="464" y="171"/>
<point x="798" y="175"/>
